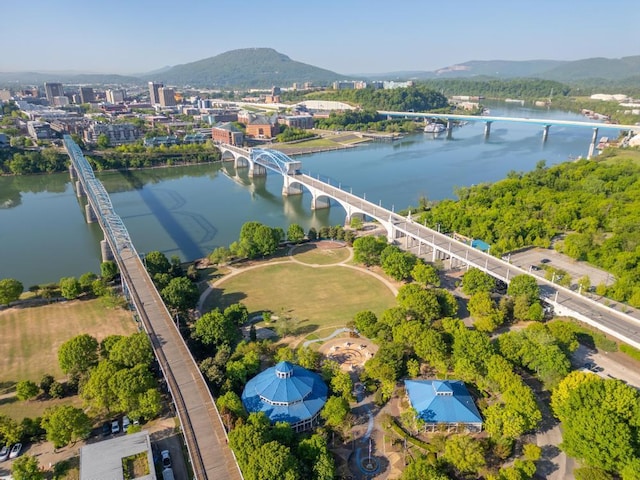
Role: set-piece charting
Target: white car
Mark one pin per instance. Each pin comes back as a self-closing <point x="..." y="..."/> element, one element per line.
<point x="115" y="427"/>
<point x="125" y="423"/>
<point x="4" y="453"/>
<point x="166" y="459"/>
<point x="15" y="450"/>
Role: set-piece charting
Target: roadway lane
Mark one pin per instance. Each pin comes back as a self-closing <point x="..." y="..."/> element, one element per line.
<point x="203" y="429"/>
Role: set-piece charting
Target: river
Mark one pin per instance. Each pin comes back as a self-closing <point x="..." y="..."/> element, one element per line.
<point x="188" y="211"/>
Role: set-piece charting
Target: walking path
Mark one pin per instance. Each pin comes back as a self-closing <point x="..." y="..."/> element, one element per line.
<point x="291" y="259"/>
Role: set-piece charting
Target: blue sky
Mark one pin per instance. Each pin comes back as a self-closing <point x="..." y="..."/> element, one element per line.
<point x="346" y="36"/>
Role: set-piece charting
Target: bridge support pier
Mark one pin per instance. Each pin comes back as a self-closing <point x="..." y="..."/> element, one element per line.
<point x="89" y="214"/>
<point x="487" y="129"/>
<point x="256" y="170"/>
<point x="291" y="189"/>
<point x="80" y="189"/>
<point x="72" y="172"/>
<point x="594" y="139"/>
<point x="320" y="202"/>
<point x="545" y="133"/>
<point x="105" y="250"/>
<point x="449" y="129"/>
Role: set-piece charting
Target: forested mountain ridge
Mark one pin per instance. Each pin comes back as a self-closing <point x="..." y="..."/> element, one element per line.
<point x="596" y="203"/>
<point x="248" y="68"/>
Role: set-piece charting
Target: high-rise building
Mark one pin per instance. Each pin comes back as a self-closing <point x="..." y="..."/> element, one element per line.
<point x="167" y="96"/>
<point x="87" y="95"/>
<point x="53" y="90"/>
<point x="115" y="96"/>
<point x="154" y="96"/>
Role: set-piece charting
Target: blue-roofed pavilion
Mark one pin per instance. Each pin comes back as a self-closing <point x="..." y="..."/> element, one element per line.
<point x="286" y="393"/>
<point x="445" y="403"/>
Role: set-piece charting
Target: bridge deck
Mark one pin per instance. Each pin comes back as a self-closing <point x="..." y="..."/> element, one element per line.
<point x="205" y="435"/>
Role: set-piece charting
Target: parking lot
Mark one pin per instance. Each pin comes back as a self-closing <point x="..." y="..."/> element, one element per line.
<point x="535" y="257"/>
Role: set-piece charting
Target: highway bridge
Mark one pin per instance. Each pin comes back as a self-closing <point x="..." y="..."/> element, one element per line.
<point x="621" y="322"/>
<point x="203" y="430"/>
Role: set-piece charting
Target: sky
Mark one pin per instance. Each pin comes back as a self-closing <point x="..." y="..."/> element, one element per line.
<point x="345" y="36"/>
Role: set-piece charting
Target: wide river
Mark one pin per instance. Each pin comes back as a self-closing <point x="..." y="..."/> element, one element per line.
<point x="189" y="211"/>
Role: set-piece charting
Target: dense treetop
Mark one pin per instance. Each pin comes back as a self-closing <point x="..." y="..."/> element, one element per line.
<point x="597" y="204"/>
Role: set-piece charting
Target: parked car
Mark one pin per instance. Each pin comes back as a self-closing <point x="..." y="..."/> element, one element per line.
<point x="115" y="427"/>
<point x="166" y="459"/>
<point x="545" y="260"/>
<point x="15" y="450"/>
<point x="125" y="423"/>
<point x="4" y="453"/>
<point x="106" y="429"/>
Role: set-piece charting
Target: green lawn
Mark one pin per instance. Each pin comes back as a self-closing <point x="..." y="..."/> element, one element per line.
<point x="31" y="336"/>
<point x="312" y="255"/>
<point x="314" y="298"/>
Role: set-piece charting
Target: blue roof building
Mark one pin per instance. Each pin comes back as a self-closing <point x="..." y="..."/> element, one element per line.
<point x="286" y="393"/>
<point x="443" y="403"/>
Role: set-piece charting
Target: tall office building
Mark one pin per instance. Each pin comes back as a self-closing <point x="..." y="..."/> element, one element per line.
<point x="53" y="90"/>
<point x="115" y="96"/>
<point x="87" y="95"/>
<point x="154" y="95"/>
<point x="167" y="96"/>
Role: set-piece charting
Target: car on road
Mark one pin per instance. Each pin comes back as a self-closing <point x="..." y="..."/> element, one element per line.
<point x="125" y="423"/>
<point x="535" y="268"/>
<point x="115" y="427"/>
<point x="166" y="459"/>
<point x="4" y="453"/>
<point x="15" y="450"/>
<point x="106" y="429"/>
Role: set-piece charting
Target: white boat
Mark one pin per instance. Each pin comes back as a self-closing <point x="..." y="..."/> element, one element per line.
<point x="434" y="128"/>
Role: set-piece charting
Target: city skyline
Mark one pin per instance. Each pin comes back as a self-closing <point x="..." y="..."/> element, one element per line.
<point x="346" y="37"/>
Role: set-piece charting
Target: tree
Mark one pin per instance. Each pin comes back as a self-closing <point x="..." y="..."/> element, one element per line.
<point x="272" y="460"/>
<point x="367" y="323"/>
<point x="10" y="290"/>
<point x="77" y="355"/>
<point x="483" y="309"/>
<point x="86" y="280"/>
<point x="156" y="262"/>
<point x="475" y="280"/>
<point x="26" y="467"/>
<point x="342" y="385"/>
<point x="423" y="303"/>
<point x="312" y="234"/>
<point x="108" y="270"/>
<point x="524" y="285"/>
<point x="231" y="408"/>
<point x="464" y="453"/>
<point x="26" y="390"/>
<point x="422" y="469"/>
<point x="425" y="274"/>
<point x="335" y="411"/>
<point x="295" y="233"/>
<point x="396" y="263"/>
<point x="132" y="350"/>
<point x="149" y="404"/>
<point x="70" y="287"/>
<point x="181" y="294"/>
<point x="215" y="328"/>
<point x="65" y="424"/>
<point x="367" y="249"/>
<point x="10" y="430"/>
<point x="103" y="141"/>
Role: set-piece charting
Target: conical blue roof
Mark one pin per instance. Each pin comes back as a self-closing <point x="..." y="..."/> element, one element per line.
<point x="285" y="392"/>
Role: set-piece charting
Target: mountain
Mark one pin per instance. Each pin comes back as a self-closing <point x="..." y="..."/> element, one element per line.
<point x="246" y="68"/>
<point x="38" y="78"/>
<point x="612" y="69"/>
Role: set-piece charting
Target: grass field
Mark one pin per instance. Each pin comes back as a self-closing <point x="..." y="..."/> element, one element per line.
<point x="31" y="336"/>
<point x="312" y="255"/>
<point x="314" y="298"/>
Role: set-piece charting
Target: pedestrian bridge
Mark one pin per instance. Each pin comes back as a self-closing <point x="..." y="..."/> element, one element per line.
<point x="434" y="245"/>
<point x="203" y="430"/>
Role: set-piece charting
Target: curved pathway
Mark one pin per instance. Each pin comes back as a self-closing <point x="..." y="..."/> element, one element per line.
<point x="291" y="259"/>
<point x="334" y="334"/>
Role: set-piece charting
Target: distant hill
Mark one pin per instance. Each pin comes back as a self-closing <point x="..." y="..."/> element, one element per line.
<point x="613" y="69"/>
<point x="246" y="68"/>
<point x="38" y="78"/>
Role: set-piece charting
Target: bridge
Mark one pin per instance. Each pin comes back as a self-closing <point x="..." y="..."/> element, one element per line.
<point x="203" y="430"/>
<point x="546" y="123"/>
<point x="433" y="245"/>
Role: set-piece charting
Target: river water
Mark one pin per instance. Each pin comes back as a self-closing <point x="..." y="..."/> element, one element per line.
<point x="189" y="211"/>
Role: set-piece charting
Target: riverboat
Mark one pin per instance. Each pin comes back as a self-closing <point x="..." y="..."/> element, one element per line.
<point x="434" y="128"/>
